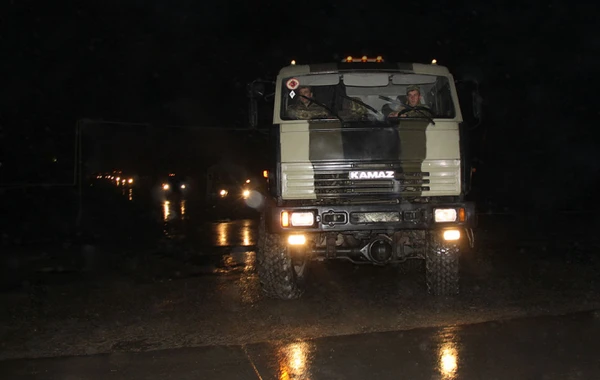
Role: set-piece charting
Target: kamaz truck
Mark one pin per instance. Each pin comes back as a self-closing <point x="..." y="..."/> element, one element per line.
<point x="364" y="169"/>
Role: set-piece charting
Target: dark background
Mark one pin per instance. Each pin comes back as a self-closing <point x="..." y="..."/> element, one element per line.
<point x="187" y="63"/>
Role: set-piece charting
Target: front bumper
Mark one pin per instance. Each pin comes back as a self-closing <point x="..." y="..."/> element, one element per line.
<point x="379" y="217"/>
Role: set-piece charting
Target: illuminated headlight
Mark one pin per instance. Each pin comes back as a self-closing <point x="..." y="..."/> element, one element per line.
<point x="302" y="219"/>
<point x="445" y="215"/>
<point x="296" y="240"/>
<point x="223" y="193"/>
<point x="451" y="235"/>
<point x="183" y="186"/>
<point x="166" y="186"/>
<point x="245" y="194"/>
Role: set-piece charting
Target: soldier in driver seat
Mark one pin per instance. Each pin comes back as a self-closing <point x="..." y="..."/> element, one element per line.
<point x="305" y="108"/>
<point x="413" y="100"/>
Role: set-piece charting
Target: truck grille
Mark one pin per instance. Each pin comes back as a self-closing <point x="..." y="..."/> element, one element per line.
<point x="334" y="180"/>
<point x="305" y="180"/>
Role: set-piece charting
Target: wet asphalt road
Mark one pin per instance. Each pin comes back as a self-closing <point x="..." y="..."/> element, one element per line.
<point x="558" y="347"/>
<point x="189" y="304"/>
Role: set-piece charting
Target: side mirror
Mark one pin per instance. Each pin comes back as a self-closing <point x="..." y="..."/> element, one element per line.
<point x="473" y="102"/>
<point x="255" y="90"/>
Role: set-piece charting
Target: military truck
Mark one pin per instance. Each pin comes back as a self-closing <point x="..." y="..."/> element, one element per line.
<point x="359" y="173"/>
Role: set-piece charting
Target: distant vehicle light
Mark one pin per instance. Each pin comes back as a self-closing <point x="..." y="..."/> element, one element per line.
<point x="223" y="193"/>
<point x="364" y="58"/>
<point x="293" y="61"/>
<point x="434" y="62"/>
<point x="247" y="181"/>
<point x="130" y="180"/>
<point x="349" y="58"/>
<point x="183" y="186"/>
<point x="166" y="186"/>
<point x="266" y="173"/>
<point x="245" y="194"/>
<point x="118" y="179"/>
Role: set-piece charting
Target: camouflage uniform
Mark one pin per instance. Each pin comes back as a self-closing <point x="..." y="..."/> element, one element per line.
<point x="353" y="110"/>
<point x="422" y="111"/>
<point x="301" y="111"/>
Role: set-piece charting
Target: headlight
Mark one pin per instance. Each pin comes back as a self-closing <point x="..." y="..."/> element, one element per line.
<point x="451" y="235"/>
<point x="245" y="194"/>
<point x="445" y="215"/>
<point x="296" y="240"/>
<point x="166" y="186"/>
<point x="302" y="219"/>
<point x="223" y="193"/>
<point x="183" y="186"/>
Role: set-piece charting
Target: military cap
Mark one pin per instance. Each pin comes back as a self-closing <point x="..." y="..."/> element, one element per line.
<point x="413" y="87"/>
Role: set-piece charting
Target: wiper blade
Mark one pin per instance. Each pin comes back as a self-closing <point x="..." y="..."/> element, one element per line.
<point x="324" y="106"/>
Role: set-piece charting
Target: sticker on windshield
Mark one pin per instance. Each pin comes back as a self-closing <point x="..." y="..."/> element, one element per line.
<point x="292" y="84"/>
<point x="292" y="94"/>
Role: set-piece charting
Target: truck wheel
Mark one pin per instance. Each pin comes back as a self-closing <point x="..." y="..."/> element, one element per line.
<point x="441" y="267"/>
<point x="279" y="276"/>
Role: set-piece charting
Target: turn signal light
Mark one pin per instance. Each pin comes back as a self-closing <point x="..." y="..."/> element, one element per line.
<point x="285" y="219"/>
<point x="462" y="215"/>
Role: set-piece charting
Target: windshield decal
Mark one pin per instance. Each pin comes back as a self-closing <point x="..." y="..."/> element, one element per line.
<point x="292" y="84"/>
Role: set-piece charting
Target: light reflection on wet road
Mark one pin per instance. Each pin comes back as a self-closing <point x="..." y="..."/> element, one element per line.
<point x="353" y="322"/>
<point x="557" y="347"/>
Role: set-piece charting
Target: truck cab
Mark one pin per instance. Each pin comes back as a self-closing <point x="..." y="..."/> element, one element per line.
<point x="368" y="165"/>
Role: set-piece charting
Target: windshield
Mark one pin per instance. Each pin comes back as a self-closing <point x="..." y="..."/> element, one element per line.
<point x="366" y="96"/>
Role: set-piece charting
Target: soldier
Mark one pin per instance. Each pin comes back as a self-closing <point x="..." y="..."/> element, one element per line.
<point x="413" y="99"/>
<point x="353" y="109"/>
<point x="305" y="108"/>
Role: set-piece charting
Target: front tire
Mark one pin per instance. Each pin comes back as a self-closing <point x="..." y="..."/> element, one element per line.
<point x="279" y="275"/>
<point x="442" y="267"/>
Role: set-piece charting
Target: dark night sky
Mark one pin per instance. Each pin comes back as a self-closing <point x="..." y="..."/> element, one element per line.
<point x="187" y="62"/>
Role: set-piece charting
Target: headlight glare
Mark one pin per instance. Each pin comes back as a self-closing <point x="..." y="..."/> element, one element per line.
<point x="445" y="215"/>
<point x="451" y="235"/>
<point x="296" y="240"/>
<point x="302" y="219"/>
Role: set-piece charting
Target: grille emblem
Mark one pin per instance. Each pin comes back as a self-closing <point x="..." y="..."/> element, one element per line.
<point x="371" y="174"/>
